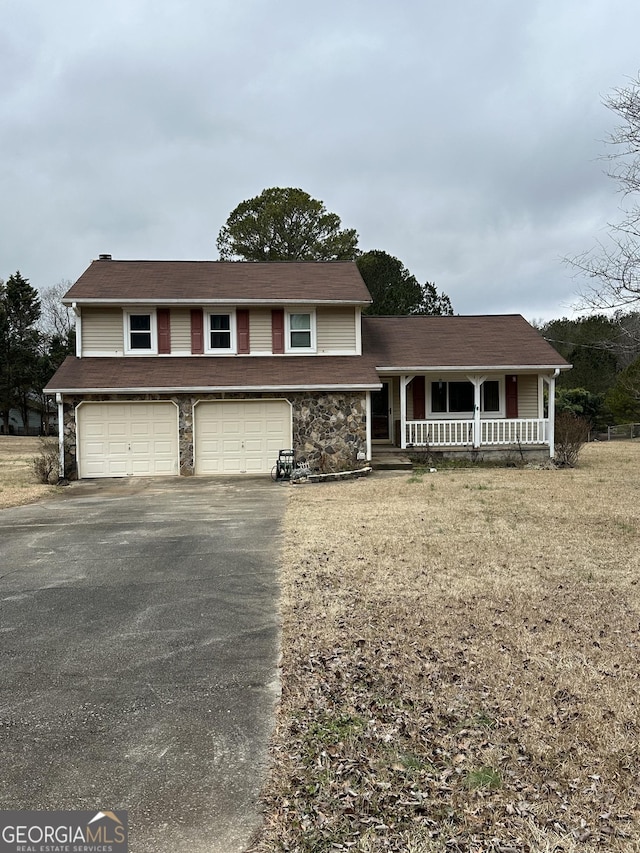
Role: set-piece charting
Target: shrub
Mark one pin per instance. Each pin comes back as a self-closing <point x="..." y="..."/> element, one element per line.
<point x="571" y="433"/>
<point x="46" y="465"/>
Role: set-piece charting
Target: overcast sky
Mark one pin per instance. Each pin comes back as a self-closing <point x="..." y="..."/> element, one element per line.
<point x="462" y="137"/>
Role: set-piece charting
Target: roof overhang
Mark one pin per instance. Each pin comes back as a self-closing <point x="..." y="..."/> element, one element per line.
<point x="210" y="389"/>
<point x="191" y="303"/>
<point x="473" y="368"/>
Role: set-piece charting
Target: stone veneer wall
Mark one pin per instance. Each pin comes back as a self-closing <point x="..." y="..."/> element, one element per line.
<point x="329" y="429"/>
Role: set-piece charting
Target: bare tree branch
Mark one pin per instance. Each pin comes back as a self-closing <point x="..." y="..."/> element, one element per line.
<point x="612" y="268"/>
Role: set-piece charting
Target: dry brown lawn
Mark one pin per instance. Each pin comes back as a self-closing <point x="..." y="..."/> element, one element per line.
<point x="18" y="484"/>
<point x="461" y="658"/>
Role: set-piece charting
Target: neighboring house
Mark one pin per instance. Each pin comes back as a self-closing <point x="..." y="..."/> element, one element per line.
<point x="40" y="421"/>
<point x="210" y="367"/>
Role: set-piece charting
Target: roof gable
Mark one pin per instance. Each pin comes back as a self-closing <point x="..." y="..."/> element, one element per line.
<point x="199" y="282"/>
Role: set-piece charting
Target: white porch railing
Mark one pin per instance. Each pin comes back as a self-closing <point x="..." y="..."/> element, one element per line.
<point x="462" y="433"/>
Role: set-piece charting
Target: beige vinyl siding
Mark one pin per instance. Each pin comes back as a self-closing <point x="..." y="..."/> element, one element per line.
<point x="527" y="396"/>
<point x="181" y="330"/>
<point x="102" y="331"/>
<point x="260" y="330"/>
<point x="336" y="330"/>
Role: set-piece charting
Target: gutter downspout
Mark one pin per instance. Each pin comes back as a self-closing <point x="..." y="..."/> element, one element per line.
<point x="552" y="413"/>
<point x="61" y="476"/>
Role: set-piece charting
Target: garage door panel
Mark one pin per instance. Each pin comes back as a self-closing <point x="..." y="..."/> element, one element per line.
<point x="124" y="440"/>
<point x="117" y="430"/>
<point x="231" y="427"/>
<point x="253" y="431"/>
<point x="141" y="429"/>
<point x="115" y="448"/>
<point x="252" y="427"/>
<point x="231" y="464"/>
<point x="142" y="468"/>
<point x="139" y="448"/>
<point x="114" y="468"/>
<point x="162" y="448"/>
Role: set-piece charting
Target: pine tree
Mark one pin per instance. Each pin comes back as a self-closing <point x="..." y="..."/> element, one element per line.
<point x="19" y="342"/>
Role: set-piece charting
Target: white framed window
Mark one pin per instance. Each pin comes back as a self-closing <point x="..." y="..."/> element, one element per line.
<point x="140" y="332"/>
<point x="491" y="396"/>
<point x="458" y="397"/>
<point x="220" y="332"/>
<point x="300" y="331"/>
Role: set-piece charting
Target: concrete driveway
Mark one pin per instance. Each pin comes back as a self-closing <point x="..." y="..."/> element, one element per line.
<point x="138" y="655"/>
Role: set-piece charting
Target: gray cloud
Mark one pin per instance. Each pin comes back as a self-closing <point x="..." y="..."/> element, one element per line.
<point x="461" y="137"/>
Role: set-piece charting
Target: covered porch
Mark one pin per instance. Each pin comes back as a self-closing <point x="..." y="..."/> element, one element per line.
<point x="465" y="411"/>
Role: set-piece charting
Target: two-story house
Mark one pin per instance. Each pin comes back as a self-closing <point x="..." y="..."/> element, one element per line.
<point x="210" y="367"/>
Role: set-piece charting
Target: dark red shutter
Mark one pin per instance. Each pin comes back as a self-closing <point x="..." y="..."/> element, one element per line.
<point x="242" y="326"/>
<point x="277" y="330"/>
<point x="511" y="382"/>
<point x="197" y="331"/>
<point x="164" y="330"/>
<point x="419" y="403"/>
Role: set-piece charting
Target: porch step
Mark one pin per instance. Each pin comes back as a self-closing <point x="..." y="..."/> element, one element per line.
<point x="390" y="458"/>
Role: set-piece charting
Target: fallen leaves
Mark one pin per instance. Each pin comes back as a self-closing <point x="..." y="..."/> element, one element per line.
<point x="488" y="706"/>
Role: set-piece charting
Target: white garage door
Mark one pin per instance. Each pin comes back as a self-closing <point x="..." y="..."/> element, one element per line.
<point x="240" y="436"/>
<point x="127" y="439"/>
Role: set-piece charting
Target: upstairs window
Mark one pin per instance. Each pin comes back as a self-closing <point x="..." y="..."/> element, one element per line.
<point x="221" y="333"/>
<point x="140" y="333"/>
<point x="300" y="332"/>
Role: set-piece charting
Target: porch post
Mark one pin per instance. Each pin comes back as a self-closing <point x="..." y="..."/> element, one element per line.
<point x="552" y="414"/>
<point x="404" y="381"/>
<point x="59" y="402"/>
<point x="476" y="381"/>
<point x="368" y="416"/>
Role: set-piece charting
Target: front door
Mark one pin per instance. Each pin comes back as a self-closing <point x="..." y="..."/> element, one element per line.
<point x="380" y="414"/>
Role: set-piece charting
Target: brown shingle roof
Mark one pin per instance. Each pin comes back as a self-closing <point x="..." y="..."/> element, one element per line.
<point x="496" y="341"/>
<point x="202" y="281"/>
<point x="202" y="373"/>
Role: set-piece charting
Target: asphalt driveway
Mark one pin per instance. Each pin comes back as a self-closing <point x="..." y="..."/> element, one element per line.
<point x="138" y="655"/>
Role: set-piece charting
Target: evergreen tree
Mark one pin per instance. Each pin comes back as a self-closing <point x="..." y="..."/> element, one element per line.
<point x="285" y="224"/>
<point x="624" y="398"/>
<point x="20" y="343"/>
<point x="395" y="290"/>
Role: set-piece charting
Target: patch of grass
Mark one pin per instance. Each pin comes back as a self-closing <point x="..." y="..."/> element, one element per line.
<point x="479" y="487"/>
<point x="484" y="777"/>
<point x="18" y="481"/>
<point x="416" y="764"/>
<point x="331" y="730"/>
<point x="417" y="474"/>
